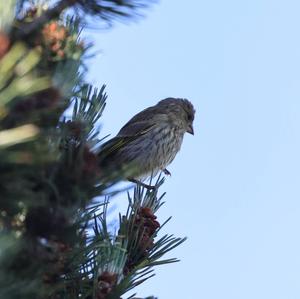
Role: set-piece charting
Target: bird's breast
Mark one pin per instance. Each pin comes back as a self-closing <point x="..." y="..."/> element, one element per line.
<point x="154" y="150"/>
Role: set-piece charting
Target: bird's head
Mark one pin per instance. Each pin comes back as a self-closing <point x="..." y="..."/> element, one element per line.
<point x="181" y="111"/>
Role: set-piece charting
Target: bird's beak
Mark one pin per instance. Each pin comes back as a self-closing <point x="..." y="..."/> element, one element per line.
<point x="190" y="129"/>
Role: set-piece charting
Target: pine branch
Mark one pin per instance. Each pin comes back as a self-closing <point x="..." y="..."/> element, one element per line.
<point x="57" y="241"/>
<point x="106" y="10"/>
<point x="136" y="239"/>
<point x="24" y="30"/>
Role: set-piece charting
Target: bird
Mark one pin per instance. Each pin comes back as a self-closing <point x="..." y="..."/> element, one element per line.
<point x="149" y="141"/>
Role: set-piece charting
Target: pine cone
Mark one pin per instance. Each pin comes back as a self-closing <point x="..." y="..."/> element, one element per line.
<point x="4" y="44"/>
<point x="90" y="167"/>
<point x="54" y="36"/>
<point x="106" y="282"/>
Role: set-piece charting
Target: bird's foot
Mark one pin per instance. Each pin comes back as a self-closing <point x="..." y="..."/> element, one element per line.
<point x="166" y="172"/>
<point x="148" y="187"/>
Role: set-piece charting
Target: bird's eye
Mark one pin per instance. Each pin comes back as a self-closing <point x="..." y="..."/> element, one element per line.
<point x="190" y="117"/>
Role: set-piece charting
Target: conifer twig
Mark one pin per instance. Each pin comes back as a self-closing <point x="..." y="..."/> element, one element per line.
<point x="29" y="28"/>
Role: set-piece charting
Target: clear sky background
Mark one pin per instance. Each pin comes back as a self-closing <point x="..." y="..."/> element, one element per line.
<point x="235" y="185"/>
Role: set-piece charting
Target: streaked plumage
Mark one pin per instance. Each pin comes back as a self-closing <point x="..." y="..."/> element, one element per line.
<point x="151" y="139"/>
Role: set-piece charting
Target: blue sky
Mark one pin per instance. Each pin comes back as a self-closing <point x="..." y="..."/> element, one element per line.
<point x="234" y="190"/>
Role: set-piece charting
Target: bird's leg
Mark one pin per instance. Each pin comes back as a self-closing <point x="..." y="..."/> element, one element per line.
<point x="149" y="187"/>
<point x="166" y="172"/>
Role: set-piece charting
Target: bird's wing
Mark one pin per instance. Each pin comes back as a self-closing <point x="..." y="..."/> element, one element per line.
<point x="135" y="129"/>
<point x="125" y="136"/>
<point x="141" y="123"/>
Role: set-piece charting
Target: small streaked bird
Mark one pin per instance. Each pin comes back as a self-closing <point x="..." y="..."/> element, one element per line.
<point x="150" y="140"/>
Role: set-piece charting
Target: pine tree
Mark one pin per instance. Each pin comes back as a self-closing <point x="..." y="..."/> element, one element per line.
<point x="55" y="239"/>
